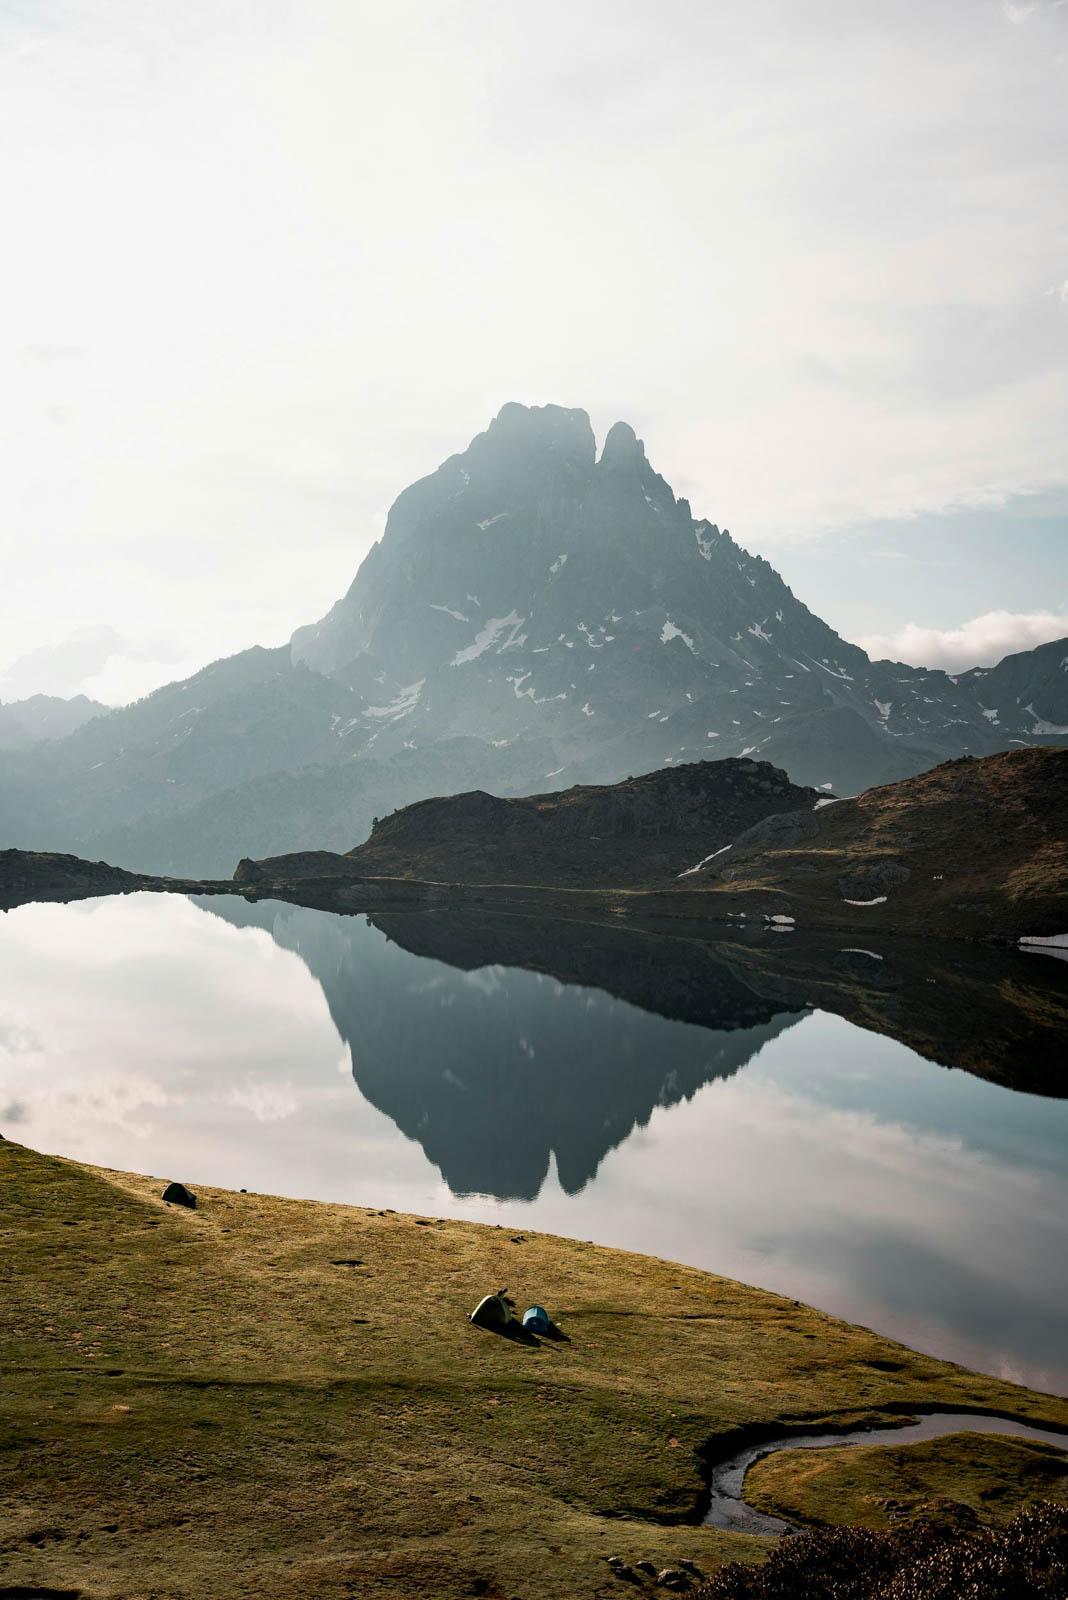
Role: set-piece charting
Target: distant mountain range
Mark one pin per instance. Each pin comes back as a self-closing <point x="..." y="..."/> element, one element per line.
<point x="44" y="716"/>
<point x="532" y="613"/>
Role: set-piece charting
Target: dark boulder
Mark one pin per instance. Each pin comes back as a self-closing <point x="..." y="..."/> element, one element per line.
<point x="176" y="1194"/>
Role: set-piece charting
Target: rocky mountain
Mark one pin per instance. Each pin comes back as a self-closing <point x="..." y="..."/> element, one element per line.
<point x="530" y="587"/>
<point x="44" y="716"/>
<point x="534" y="614"/>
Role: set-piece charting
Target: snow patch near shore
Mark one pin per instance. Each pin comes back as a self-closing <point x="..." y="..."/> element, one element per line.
<point x="1056" y="944"/>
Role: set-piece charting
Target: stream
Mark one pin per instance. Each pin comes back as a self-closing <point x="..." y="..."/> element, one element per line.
<point x="728" y="1508"/>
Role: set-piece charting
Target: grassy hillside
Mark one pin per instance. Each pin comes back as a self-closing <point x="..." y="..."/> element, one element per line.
<point x="277" y="1398"/>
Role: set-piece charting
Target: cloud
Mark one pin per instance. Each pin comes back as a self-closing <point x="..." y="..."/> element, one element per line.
<point x="95" y="660"/>
<point x="1019" y="11"/>
<point x="979" y="643"/>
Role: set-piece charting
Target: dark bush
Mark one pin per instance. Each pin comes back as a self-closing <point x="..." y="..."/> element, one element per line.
<point x="931" y="1558"/>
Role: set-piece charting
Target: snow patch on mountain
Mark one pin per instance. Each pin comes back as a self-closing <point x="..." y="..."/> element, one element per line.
<point x="669" y="631"/>
<point x="703" y="862"/>
<point x="406" y="702"/>
<point x="1042" y="726"/>
<point x="489" y="636"/>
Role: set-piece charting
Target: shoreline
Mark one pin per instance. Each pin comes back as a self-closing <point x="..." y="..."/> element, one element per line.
<point x="39" y="876"/>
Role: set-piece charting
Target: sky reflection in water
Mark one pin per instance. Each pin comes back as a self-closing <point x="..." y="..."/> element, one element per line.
<point x="803" y="1153"/>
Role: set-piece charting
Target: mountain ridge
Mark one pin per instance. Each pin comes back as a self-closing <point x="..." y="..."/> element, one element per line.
<point x="534" y="611"/>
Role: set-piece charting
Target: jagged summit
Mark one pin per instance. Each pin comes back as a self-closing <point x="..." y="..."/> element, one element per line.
<point x="622" y="447"/>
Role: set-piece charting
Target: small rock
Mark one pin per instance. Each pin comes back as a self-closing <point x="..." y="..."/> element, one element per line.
<point x="690" y="1567"/>
<point x="620" y="1569"/>
<point x="647" y="1567"/>
<point x="176" y="1194"/>
<point x="672" y="1578"/>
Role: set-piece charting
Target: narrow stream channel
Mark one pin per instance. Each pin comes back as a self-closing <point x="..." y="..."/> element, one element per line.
<point x="728" y="1507"/>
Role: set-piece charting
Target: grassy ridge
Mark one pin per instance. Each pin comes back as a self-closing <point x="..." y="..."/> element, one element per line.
<point x="207" y="1404"/>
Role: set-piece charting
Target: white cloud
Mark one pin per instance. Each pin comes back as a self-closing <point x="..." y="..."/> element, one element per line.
<point x="979" y="643"/>
<point x="1019" y="11"/>
<point x="97" y="661"/>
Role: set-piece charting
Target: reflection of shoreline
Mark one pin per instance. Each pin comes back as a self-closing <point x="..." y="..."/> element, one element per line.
<point x="469" y="1057"/>
<point x="990" y="1012"/>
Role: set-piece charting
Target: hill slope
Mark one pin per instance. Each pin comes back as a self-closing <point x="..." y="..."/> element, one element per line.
<point x="280" y="1399"/>
<point x="642" y="831"/>
<point x="974" y="847"/>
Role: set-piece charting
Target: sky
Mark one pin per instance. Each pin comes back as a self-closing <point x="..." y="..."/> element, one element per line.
<point x="267" y="263"/>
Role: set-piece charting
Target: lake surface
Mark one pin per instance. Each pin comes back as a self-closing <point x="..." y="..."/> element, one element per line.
<point x="710" y="1105"/>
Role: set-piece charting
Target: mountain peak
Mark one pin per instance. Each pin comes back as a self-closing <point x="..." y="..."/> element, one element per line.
<point x="622" y="446"/>
<point x="561" y="429"/>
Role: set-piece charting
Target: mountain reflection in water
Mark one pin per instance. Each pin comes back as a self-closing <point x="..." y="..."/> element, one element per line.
<point x="760" y="1106"/>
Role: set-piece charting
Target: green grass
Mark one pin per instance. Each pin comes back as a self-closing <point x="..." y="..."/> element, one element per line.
<point x="200" y="1404"/>
<point x="872" y="1488"/>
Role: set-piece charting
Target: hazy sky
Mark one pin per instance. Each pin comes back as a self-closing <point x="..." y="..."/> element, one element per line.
<point x="265" y="263"/>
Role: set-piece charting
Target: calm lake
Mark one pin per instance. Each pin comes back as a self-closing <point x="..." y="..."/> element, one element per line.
<point x="713" y="1106"/>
